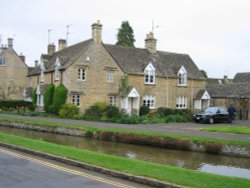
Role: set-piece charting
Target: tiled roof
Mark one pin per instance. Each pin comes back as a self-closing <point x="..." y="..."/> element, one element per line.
<point x="130" y="60"/>
<point x="232" y="90"/>
<point x="66" y="57"/>
<point x="242" y="77"/>
<point x="135" y="60"/>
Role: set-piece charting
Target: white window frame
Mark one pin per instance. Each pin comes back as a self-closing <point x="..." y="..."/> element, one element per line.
<point x="76" y="100"/>
<point x="149" y="100"/>
<point x="2" y="61"/>
<point x="182" y="77"/>
<point x="57" y="71"/>
<point x="149" y="74"/>
<point x="112" y="100"/>
<point x="181" y="102"/>
<point x="81" y="74"/>
<point x="110" y="76"/>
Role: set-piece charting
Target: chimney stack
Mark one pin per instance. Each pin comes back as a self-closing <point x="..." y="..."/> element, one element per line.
<point x="61" y="44"/>
<point x="36" y="63"/>
<point x="22" y="57"/>
<point x="97" y="32"/>
<point x="51" y="49"/>
<point x="10" y="42"/>
<point x="150" y="43"/>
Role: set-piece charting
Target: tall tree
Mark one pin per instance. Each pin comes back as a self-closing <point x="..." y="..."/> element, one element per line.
<point x="125" y="36"/>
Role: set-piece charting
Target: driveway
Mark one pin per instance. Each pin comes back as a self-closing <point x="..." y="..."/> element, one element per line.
<point x="187" y="129"/>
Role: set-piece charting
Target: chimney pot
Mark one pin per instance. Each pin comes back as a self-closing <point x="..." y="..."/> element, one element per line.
<point x="22" y="57"/>
<point x="51" y="49"/>
<point x="97" y="32"/>
<point x="36" y="63"/>
<point x="150" y="42"/>
<point x="62" y="44"/>
<point x="10" y="42"/>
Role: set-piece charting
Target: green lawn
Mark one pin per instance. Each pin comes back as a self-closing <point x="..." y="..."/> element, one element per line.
<point x="91" y="130"/>
<point x="229" y="129"/>
<point x="180" y="176"/>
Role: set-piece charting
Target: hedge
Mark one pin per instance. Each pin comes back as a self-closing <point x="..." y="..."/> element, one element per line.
<point x="48" y="98"/>
<point x="15" y="104"/>
<point x="60" y="97"/>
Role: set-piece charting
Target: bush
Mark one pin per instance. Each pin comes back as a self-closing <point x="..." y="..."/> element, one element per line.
<point x="112" y="111"/>
<point x="68" y="111"/>
<point x="96" y="111"/>
<point x="164" y="112"/>
<point x="144" y="110"/>
<point x="60" y="97"/>
<point x="34" y="98"/>
<point x="48" y="98"/>
<point x="10" y="105"/>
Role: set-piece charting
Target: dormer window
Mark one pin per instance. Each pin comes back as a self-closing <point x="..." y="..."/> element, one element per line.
<point x="57" y="71"/>
<point x="42" y="71"/>
<point x="182" y="77"/>
<point x="149" y="74"/>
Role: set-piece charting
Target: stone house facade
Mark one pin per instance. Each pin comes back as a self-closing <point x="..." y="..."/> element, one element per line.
<point x="13" y="73"/>
<point x="92" y="71"/>
<point x="236" y="91"/>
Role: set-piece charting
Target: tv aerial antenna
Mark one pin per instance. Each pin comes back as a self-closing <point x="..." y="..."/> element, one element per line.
<point x="67" y="32"/>
<point x="49" y="30"/>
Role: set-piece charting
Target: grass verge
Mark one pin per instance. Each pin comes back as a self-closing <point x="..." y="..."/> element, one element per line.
<point x="229" y="129"/>
<point x="165" y="173"/>
<point x="91" y="130"/>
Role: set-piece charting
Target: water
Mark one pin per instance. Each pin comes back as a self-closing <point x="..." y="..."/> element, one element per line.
<point x="224" y="165"/>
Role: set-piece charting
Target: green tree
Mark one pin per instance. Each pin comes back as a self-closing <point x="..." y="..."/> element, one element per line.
<point x="125" y="36"/>
<point x="60" y="97"/>
<point x="204" y="73"/>
<point x="123" y="86"/>
<point x="48" y="98"/>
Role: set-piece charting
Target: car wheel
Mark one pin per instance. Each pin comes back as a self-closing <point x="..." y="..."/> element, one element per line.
<point x="211" y="120"/>
<point x="197" y="121"/>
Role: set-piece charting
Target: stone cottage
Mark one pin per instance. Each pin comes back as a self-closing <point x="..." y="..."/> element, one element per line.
<point x="92" y="70"/>
<point x="236" y="91"/>
<point x="13" y="73"/>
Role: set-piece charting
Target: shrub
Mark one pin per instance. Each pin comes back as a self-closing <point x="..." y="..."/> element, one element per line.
<point x="170" y="119"/>
<point x="68" y="111"/>
<point x="34" y="97"/>
<point x="48" y="98"/>
<point x="164" y="112"/>
<point x="60" y="97"/>
<point x="96" y="111"/>
<point x="15" y="105"/>
<point x="144" y="110"/>
<point x="112" y="111"/>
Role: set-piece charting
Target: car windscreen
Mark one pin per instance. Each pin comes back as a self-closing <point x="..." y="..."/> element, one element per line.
<point x="211" y="110"/>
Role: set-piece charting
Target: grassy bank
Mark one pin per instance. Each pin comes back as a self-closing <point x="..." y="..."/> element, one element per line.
<point x="229" y="129"/>
<point x="109" y="131"/>
<point x="165" y="173"/>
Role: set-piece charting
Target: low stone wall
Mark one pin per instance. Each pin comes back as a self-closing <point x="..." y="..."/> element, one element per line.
<point x="181" y="144"/>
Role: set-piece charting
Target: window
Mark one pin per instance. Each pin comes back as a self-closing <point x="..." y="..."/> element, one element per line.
<point x="57" y="71"/>
<point x="181" y="102"/>
<point x="76" y="100"/>
<point x="112" y="100"/>
<point x="42" y="68"/>
<point x="149" y="74"/>
<point x="149" y="101"/>
<point x="182" y="77"/>
<point x="42" y="76"/>
<point x="57" y="74"/>
<point x="81" y="74"/>
<point x="110" y="76"/>
<point x="2" y="61"/>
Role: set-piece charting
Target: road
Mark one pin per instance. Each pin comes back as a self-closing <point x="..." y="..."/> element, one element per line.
<point x="188" y="129"/>
<point x="21" y="170"/>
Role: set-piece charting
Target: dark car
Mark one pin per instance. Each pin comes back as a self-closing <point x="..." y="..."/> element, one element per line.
<point x="211" y="115"/>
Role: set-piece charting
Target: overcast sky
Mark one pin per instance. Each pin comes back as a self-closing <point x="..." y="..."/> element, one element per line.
<point x="215" y="33"/>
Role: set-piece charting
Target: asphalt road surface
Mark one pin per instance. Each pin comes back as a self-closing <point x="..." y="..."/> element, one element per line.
<point x="21" y="170"/>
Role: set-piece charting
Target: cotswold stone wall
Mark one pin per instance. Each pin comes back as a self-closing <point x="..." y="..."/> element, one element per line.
<point x="164" y="142"/>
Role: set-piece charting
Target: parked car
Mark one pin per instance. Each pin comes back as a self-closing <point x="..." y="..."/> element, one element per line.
<point x="212" y="115"/>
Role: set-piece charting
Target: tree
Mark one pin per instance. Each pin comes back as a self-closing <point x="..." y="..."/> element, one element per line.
<point x="125" y="36"/>
<point x="204" y="73"/>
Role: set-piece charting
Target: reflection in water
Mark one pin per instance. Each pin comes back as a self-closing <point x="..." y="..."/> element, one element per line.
<point x="225" y="165"/>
